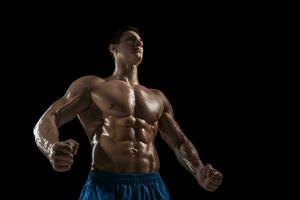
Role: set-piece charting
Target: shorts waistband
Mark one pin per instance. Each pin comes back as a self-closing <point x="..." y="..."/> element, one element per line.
<point x="124" y="178"/>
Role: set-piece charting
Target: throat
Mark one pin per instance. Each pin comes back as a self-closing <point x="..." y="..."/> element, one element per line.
<point x="127" y="73"/>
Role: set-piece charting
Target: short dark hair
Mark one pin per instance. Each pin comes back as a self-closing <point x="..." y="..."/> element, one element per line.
<point x="115" y="38"/>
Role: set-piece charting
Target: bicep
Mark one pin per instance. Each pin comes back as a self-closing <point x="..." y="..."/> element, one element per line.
<point x="170" y="130"/>
<point x="67" y="108"/>
<point x="76" y="99"/>
<point x="168" y="127"/>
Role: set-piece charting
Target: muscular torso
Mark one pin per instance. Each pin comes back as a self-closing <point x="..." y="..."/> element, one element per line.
<point x="122" y="123"/>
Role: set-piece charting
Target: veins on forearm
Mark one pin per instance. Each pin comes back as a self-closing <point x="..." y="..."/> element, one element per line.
<point x="187" y="156"/>
<point x="46" y="133"/>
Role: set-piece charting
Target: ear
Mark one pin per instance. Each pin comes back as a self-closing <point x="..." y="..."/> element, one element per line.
<point x="112" y="48"/>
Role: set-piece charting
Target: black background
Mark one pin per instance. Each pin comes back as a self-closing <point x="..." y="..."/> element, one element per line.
<point x="209" y="62"/>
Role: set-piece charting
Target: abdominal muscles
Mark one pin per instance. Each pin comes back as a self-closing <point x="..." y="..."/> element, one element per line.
<point x="125" y="144"/>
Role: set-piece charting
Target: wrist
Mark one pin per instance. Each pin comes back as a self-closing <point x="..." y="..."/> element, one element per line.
<point x="200" y="165"/>
<point x="49" y="149"/>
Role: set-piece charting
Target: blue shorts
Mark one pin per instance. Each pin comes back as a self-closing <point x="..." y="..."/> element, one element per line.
<point x="102" y="185"/>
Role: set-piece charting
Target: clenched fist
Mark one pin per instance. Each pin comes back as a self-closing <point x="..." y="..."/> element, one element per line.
<point x="209" y="178"/>
<point x="61" y="155"/>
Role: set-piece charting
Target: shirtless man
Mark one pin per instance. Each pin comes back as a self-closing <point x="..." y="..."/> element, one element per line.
<point x="121" y="119"/>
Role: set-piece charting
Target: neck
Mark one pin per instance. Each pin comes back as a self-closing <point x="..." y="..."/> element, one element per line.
<point x="126" y="72"/>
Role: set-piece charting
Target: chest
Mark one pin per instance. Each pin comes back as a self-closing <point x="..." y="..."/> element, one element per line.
<point x="119" y="99"/>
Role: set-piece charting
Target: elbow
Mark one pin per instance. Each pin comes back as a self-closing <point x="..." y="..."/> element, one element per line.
<point x="181" y="143"/>
<point x="174" y="142"/>
<point x="36" y="128"/>
<point x="47" y="118"/>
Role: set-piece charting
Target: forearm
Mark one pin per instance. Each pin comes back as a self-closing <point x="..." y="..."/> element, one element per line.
<point x="187" y="156"/>
<point x="46" y="133"/>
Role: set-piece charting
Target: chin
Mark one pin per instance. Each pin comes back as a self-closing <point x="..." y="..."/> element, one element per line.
<point x="137" y="60"/>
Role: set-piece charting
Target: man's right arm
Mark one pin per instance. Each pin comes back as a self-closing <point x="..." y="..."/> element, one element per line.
<point x="76" y="99"/>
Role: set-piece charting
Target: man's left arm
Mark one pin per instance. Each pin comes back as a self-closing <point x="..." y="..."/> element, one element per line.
<point x="186" y="153"/>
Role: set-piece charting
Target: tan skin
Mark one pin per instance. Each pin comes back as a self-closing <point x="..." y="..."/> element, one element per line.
<point x="121" y="118"/>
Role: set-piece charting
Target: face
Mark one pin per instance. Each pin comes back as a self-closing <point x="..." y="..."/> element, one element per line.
<point x="130" y="49"/>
